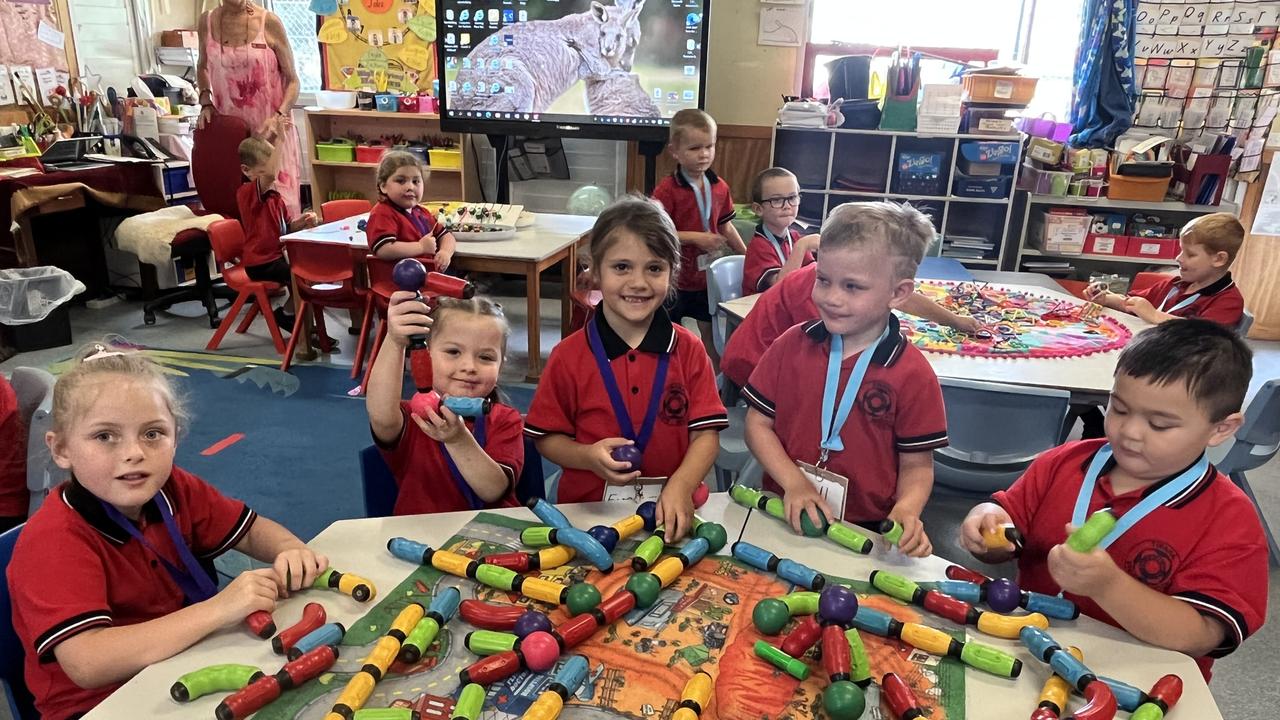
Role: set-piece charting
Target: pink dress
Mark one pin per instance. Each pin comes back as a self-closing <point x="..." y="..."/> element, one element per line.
<point x="247" y="83"/>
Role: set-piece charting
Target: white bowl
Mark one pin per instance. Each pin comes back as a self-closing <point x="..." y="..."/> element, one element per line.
<point x="335" y="99"/>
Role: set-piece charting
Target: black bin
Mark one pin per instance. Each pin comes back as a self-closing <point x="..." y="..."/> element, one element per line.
<point x="53" y="331"/>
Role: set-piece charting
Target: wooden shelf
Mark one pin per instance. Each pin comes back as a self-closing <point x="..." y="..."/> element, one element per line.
<point x="338" y="163"/>
<point x="372" y="114"/>
<point x="1103" y="202"/>
<point x="1015" y="137"/>
<point x="971" y="261"/>
<point x="1032" y="252"/>
<point x="908" y="196"/>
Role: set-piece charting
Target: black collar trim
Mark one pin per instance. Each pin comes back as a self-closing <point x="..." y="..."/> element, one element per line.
<point x="885" y="354"/>
<point x="679" y="176"/>
<point x="659" y="338"/>
<point x="87" y="505"/>
<point x="1217" y="286"/>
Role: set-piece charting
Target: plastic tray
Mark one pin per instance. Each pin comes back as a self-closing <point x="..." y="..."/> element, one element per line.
<point x="981" y="187"/>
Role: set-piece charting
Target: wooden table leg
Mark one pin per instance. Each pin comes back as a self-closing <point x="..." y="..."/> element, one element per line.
<point x="569" y="269"/>
<point x="533" y="279"/>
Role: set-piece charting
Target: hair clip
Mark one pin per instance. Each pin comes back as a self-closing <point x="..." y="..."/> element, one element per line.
<point x="101" y="351"/>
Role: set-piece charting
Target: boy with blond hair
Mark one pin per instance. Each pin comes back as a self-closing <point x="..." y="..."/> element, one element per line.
<point x="701" y="205"/>
<point x="861" y="448"/>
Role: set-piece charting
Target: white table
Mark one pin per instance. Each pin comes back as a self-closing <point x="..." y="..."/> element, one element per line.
<point x="1088" y="378"/>
<point x="551" y="240"/>
<point x="360" y="546"/>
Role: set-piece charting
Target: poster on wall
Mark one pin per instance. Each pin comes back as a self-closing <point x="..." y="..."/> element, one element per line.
<point x="382" y="45"/>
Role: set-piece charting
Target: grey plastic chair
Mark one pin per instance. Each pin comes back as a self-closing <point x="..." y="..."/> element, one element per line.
<point x="734" y="455"/>
<point x="1246" y="322"/>
<point x="724" y="282"/>
<point x="995" y="432"/>
<point x="1256" y="443"/>
<point x="34" y="389"/>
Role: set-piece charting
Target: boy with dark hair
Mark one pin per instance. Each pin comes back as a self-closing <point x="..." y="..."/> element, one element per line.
<point x="776" y="249"/>
<point x="1186" y="566"/>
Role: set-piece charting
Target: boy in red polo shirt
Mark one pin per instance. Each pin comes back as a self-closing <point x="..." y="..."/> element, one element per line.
<point x="13" y="460"/>
<point x="701" y="206"/>
<point x="265" y="218"/>
<point x="1203" y="287"/>
<point x="632" y="377"/>
<point x="109" y="575"/>
<point x="1186" y="566"/>
<point x="861" y="448"/>
<point x="777" y="249"/>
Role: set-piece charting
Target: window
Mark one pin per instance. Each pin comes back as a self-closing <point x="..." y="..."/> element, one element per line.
<point x="300" y="27"/>
<point x="1042" y="34"/>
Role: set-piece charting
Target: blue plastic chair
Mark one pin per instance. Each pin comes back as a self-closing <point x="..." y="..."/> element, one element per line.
<point x="724" y="282"/>
<point x="995" y="432"/>
<point x="379" y="485"/>
<point x="21" y="704"/>
<point x="1246" y="322"/>
<point x="1255" y="444"/>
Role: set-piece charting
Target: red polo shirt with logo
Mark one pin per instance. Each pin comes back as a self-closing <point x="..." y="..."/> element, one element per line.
<point x="389" y="222"/>
<point x="73" y="569"/>
<point x="571" y="398"/>
<point x="1204" y="547"/>
<point x="422" y="473"/>
<point x="13" y="455"/>
<point x="898" y="409"/>
<point x="787" y="303"/>
<point x="762" y="261"/>
<point x="677" y="197"/>
<point x="264" y="218"/>
<point x="1220" y="302"/>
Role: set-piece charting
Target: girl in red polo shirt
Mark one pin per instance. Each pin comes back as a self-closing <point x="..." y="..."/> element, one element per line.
<point x="441" y="464"/>
<point x="628" y="405"/>
<point x="398" y="226"/>
<point x="109" y="576"/>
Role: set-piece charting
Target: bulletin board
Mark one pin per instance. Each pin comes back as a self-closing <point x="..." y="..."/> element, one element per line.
<point x="379" y="44"/>
<point x="1209" y="68"/>
<point x="34" y="36"/>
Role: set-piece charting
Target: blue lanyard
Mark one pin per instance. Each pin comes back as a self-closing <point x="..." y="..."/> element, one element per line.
<point x="777" y="246"/>
<point x="472" y="499"/>
<point x="1185" y="301"/>
<point x="414" y="218"/>
<point x="620" y="411"/>
<point x="704" y="203"/>
<point x="833" y="419"/>
<point x="1145" y="507"/>
<point x="195" y="583"/>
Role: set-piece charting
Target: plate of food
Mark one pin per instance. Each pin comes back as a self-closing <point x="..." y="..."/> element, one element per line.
<point x="481" y="232"/>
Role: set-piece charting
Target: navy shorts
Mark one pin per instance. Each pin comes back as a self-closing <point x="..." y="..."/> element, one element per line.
<point x="689" y="303"/>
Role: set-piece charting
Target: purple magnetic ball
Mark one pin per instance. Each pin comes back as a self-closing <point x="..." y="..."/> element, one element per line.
<point x="409" y="275"/>
<point x="605" y="535"/>
<point x="540" y="651"/>
<point x="1003" y="595"/>
<point x="628" y="454"/>
<point x="837" y="604"/>
<point x="530" y="622"/>
<point x="648" y="513"/>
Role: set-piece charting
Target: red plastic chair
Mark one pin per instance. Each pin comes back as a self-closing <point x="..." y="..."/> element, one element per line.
<point x="377" y="300"/>
<point x="1146" y="279"/>
<point x="227" y="239"/>
<point x="340" y="209"/>
<point x="315" y="266"/>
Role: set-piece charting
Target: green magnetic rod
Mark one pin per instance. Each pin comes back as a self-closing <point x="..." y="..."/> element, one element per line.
<point x="837" y="532"/>
<point x="215" y="678"/>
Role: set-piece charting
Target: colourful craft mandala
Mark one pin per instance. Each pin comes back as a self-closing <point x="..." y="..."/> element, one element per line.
<point x="1020" y="324"/>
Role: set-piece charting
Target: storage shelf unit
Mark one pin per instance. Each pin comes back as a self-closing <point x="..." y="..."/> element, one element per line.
<point x="1171" y="213"/>
<point x="835" y="166"/>
<point x="444" y="183"/>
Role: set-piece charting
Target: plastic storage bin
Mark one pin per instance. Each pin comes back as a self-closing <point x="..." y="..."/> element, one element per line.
<point x="443" y="158"/>
<point x="919" y="173"/>
<point x="987" y="121"/>
<point x="336" y="150"/>
<point x="1124" y="187"/>
<point x="998" y="89"/>
<point x="386" y="102"/>
<point x="370" y="153"/>
<point x="981" y="186"/>
<point x="983" y="151"/>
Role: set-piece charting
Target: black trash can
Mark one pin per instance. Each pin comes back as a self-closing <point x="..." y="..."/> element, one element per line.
<point x="53" y="331"/>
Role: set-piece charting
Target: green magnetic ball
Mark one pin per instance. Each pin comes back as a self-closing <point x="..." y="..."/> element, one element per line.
<point x="808" y="528"/>
<point x="714" y="534"/>
<point x="581" y="598"/>
<point x="770" y="616"/>
<point x="645" y="586"/>
<point x="843" y="701"/>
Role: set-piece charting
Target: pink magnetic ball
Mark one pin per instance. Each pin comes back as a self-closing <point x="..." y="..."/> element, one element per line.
<point x="420" y="402"/>
<point x="540" y="650"/>
<point x="1003" y="595"/>
<point x="700" y="495"/>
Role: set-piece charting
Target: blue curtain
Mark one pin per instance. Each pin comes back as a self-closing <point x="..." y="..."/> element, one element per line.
<point x="1105" y="89"/>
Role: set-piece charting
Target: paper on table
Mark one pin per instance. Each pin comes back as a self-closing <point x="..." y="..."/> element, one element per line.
<point x="6" y="87"/>
<point x="1267" y="220"/>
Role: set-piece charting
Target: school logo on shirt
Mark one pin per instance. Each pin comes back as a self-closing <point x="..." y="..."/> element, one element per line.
<point x="876" y="401"/>
<point x="1153" y="562"/>
<point x="675" y="405"/>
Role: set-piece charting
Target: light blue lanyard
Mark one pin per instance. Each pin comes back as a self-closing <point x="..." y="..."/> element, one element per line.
<point x="777" y="246"/>
<point x="704" y="203"/>
<point x="1144" y="508"/>
<point x="833" y="419"/>
<point x="1185" y="301"/>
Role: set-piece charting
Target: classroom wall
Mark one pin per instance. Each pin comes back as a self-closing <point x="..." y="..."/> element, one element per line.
<point x="173" y="15"/>
<point x="746" y="81"/>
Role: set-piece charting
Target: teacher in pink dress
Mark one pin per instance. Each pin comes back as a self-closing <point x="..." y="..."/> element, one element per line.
<point x="246" y="70"/>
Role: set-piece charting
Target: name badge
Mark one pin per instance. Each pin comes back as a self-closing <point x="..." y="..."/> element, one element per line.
<point x="642" y="490"/>
<point x="832" y="487"/>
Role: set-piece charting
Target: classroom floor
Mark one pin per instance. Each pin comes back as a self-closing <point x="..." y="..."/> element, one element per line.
<point x="1243" y="684"/>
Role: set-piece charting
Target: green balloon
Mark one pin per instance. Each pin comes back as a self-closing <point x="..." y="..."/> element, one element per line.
<point x="714" y="534"/>
<point x="645" y="586"/>
<point x="582" y="597"/>
<point x="770" y="616"/>
<point x="807" y="526"/>
<point x="844" y="701"/>
<point x="588" y="200"/>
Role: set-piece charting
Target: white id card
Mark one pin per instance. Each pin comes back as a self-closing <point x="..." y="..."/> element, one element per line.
<point x="643" y="490"/>
<point x="832" y="487"/>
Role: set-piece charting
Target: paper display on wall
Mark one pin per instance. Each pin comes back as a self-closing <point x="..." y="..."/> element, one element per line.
<point x="24" y="80"/>
<point x="1267" y="220"/>
<point x="46" y="81"/>
<point x="6" y="87"/>
<point x="782" y="23"/>
<point x="50" y="36"/>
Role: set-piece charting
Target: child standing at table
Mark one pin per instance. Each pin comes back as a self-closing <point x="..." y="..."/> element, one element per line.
<point x="441" y="464"/>
<point x="109" y="576"/>
<point x="865" y="441"/>
<point x="631" y="377"/>
<point x="701" y="205"/>
<point x="398" y="226"/>
<point x="777" y="248"/>
<point x="1186" y="566"/>
<point x="264" y="217"/>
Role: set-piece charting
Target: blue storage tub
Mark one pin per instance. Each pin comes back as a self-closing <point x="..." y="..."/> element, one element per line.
<point x="981" y="187"/>
<point x="980" y="151"/>
<point x="387" y="102"/>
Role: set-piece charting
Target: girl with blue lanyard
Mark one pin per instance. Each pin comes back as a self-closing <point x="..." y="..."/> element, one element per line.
<point x="444" y="462"/>
<point x="398" y="226"/>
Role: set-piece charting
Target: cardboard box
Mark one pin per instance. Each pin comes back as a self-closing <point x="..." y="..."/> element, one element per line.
<point x="1161" y="248"/>
<point x="179" y="39"/>
<point x="1065" y="231"/>
<point x="1095" y="244"/>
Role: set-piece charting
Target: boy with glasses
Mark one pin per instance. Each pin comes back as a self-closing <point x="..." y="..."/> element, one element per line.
<point x="777" y="248"/>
